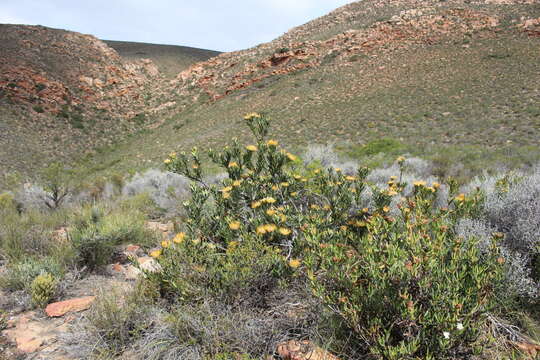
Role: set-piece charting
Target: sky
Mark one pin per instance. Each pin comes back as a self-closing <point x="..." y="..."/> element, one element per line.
<point x="209" y="24"/>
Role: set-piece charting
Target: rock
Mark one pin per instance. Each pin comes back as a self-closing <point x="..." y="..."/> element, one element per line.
<point x="529" y="349"/>
<point x="28" y="344"/>
<point x="132" y="273"/>
<point x="149" y="264"/>
<point x="303" y="350"/>
<point x="73" y="305"/>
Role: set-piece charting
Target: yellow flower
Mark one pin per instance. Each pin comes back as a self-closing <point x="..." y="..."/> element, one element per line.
<point x="386" y="209"/>
<point x="255" y="204"/>
<point x="272" y="142"/>
<point x="419" y="183"/>
<point x="432" y="189"/>
<point x="252" y="116"/>
<point x="400" y="159"/>
<point x="226" y="189"/>
<point x="232" y="245"/>
<point x="393" y="177"/>
<point x="233" y="164"/>
<point x="297" y="177"/>
<point x="155" y="253"/>
<point x="284" y="231"/>
<point x="269" y="200"/>
<point x="392" y="192"/>
<point x="235" y="225"/>
<point x="436" y="185"/>
<point x="270" y="212"/>
<point x="294" y="194"/>
<point x="167" y="161"/>
<point x="283" y="218"/>
<point x="274" y="187"/>
<point x="353" y="191"/>
<point x="317" y="171"/>
<point x="294" y="263"/>
<point x="337" y="170"/>
<point x="350" y="178"/>
<point x="261" y="229"/>
<point x="343" y="228"/>
<point x="315" y="207"/>
<point x="365" y="210"/>
<point x="251" y="148"/>
<point x="326" y="207"/>
<point x="172" y="155"/>
<point x="270" y="228"/>
<point x="237" y="183"/>
<point x="291" y="157"/>
<point x="226" y="195"/>
<point x="303" y="179"/>
<point x="179" y="238"/>
<point x="460" y="197"/>
<point x="284" y="184"/>
<point x="165" y="243"/>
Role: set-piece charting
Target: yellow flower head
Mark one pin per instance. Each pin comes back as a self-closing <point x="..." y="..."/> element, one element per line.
<point x="365" y="210"/>
<point x="252" y="148"/>
<point x="392" y="192"/>
<point x="179" y="238"/>
<point x="460" y="197"/>
<point x="251" y="116"/>
<point x="284" y="231"/>
<point x="393" y="177"/>
<point x="226" y="189"/>
<point x="271" y="212"/>
<point x="172" y="155"/>
<point x="261" y="230"/>
<point x="294" y="194"/>
<point x="270" y="228"/>
<point x="291" y="157"/>
<point x="232" y="245"/>
<point x="155" y="253"/>
<point x="226" y="195"/>
<point x="269" y="200"/>
<point x="235" y="225"/>
<point x="350" y="178"/>
<point x="295" y="263"/>
<point x="400" y="159"/>
<point x="255" y="204"/>
<point x="272" y="142"/>
<point x="167" y="161"/>
<point x="337" y="170"/>
<point x="233" y="164"/>
<point x="274" y="187"/>
<point x="386" y="209"/>
<point x="419" y="183"/>
<point x="284" y="184"/>
<point x="436" y="185"/>
<point x="237" y="183"/>
<point x="165" y="244"/>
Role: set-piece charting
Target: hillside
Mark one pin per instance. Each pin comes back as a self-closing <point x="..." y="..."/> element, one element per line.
<point x="170" y="59"/>
<point x="63" y="93"/>
<point x="453" y="80"/>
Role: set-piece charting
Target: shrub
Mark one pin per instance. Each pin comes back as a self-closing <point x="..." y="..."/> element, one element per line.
<point x="43" y="289"/>
<point x="406" y="286"/>
<point x="97" y="230"/>
<point x="166" y="189"/>
<point x="114" y="322"/>
<point x="403" y="283"/>
<point x="20" y="275"/>
<point x="326" y="157"/>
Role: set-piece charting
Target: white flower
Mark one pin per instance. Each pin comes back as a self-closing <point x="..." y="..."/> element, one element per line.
<point x="459" y="326"/>
<point x="446" y="334"/>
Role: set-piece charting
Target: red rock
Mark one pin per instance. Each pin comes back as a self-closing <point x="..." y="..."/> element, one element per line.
<point x="28" y="344"/>
<point x="73" y="305"/>
<point x="303" y="350"/>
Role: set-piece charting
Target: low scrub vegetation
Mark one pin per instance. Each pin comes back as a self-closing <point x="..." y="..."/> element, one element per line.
<point x="385" y="263"/>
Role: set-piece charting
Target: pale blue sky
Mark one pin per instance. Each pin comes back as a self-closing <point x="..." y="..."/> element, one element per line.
<point x="211" y="24"/>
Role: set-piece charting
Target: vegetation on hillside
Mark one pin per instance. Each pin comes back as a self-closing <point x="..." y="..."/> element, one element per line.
<point x="388" y="263"/>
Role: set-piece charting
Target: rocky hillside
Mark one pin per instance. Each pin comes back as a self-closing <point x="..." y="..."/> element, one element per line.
<point x="62" y="93"/>
<point x="455" y="79"/>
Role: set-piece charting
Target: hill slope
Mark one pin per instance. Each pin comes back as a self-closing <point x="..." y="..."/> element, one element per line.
<point x="456" y="80"/>
<point x="170" y="59"/>
<point x="63" y="93"/>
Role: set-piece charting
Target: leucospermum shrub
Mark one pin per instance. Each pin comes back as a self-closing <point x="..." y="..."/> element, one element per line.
<point x="404" y="285"/>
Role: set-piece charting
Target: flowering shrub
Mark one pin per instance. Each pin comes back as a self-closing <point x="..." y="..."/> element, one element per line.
<point x="401" y="281"/>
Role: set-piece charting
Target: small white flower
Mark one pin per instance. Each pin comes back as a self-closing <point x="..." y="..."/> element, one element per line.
<point x="459" y="326"/>
<point x="446" y="334"/>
